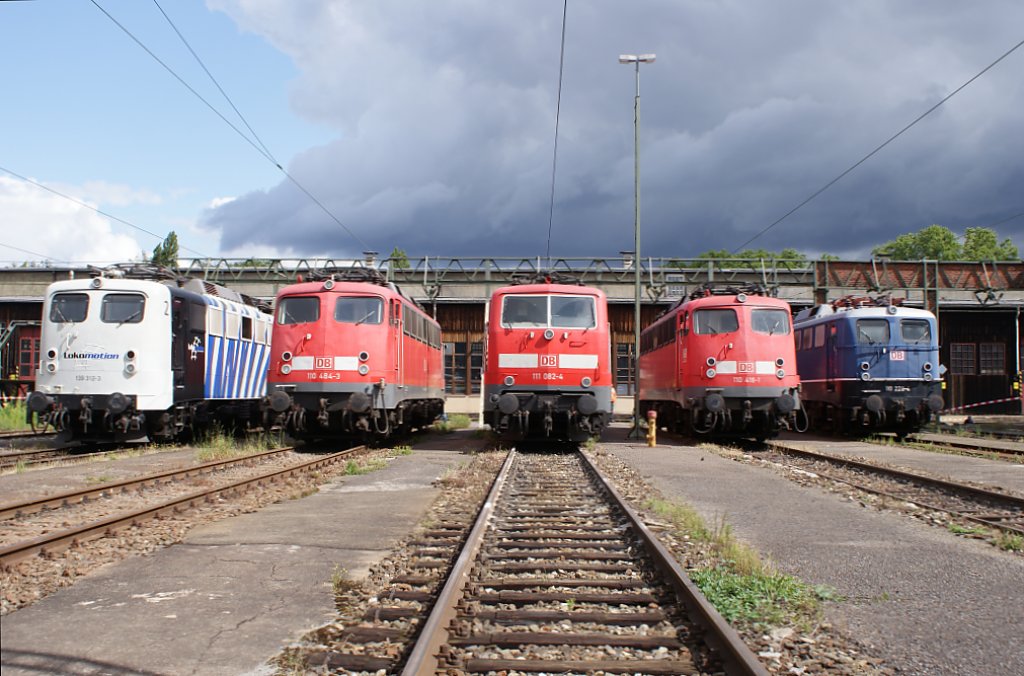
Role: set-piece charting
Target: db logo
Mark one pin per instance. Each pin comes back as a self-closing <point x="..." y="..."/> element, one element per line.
<point x="897" y="355"/>
<point x="549" y="360"/>
<point x="323" y="362"/>
<point x="746" y="367"/>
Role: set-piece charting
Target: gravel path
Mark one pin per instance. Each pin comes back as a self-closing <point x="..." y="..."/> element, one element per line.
<point x="927" y="601"/>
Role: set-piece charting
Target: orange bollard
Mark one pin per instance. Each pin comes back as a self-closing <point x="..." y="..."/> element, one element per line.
<point x="652" y="428"/>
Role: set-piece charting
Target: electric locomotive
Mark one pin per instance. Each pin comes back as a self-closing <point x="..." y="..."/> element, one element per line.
<point x="547" y="373"/>
<point x="722" y="362"/>
<point x="353" y="357"/>
<point x="129" y="359"/>
<point x="869" y="365"/>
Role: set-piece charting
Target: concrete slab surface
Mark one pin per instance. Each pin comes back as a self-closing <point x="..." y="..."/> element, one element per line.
<point x="234" y="592"/>
<point x="933" y="603"/>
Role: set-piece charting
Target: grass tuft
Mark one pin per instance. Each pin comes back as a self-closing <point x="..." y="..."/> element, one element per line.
<point x="758" y="600"/>
<point x="1010" y="542"/>
<point x="12" y="417"/>
<point x="456" y="421"/>
<point x="220" y="444"/>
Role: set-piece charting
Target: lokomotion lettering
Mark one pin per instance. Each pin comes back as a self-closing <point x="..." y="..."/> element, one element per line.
<point x="90" y="355"/>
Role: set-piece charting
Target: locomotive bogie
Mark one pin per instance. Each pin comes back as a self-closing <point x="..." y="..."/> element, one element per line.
<point x="547" y="372"/>
<point x="353" y="359"/>
<point x="137" y="360"/>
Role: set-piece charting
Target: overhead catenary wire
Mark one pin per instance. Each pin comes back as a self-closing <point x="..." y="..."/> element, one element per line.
<point x="256" y="144"/>
<point x="876" y="150"/>
<point x="558" y="110"/>
<point x="31" y="253"/>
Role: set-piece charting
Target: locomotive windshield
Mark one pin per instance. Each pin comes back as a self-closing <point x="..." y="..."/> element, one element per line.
<point x="772" y="322"/>
<point x="298" y="310"/>
<point x="563" y="312"/>
<point x="715" y="321"/>
<point x="122" y="308"/>
<point x="873" y="331"/>
<point x="916" y="331"/>
<point x="69" y="307"/>
<point x="358" y="310"/>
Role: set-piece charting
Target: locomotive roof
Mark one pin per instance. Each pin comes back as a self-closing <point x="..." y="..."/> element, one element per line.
<point x="718" y="300"/>
<point x="823" y="313"/>
<point x="387" y="290"/>
<point x="569" y="289"/>
<point x="211" y="294"/>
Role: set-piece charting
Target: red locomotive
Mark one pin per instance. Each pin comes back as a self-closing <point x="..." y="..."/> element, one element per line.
<point x="353" y="357"/>
<point x="548" y="362"/>
<point x="722" y="362"/>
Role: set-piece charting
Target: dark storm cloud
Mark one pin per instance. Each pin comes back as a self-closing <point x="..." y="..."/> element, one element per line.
<point x="445" y="116"/>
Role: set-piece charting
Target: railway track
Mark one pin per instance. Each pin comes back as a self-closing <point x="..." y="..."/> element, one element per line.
<point x="556" y="574"/>
<point x="973" y="445"/>
<point x="44" y="456"/>
<point x="977" y="505"/>
<point x="59" y="539"/>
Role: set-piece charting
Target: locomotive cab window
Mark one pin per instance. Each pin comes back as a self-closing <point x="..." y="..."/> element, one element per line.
<point x="69" y="307"/>
<point x="358" y="310"/>
<point x="298" y="310"/>
<point x="524" y="311"/>
<point x="706" y="322"/>
<point x="772" y="322"/>
<point x="873" y="331"/>
<point x="916" y="331"/>
<point x="572" y="312"/>
<point x="122" y="308"/>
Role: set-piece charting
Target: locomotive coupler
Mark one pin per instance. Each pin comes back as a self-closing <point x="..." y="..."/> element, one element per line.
<point x="323" y="417"/>
<point x="748" y="413"/>
<point x="652" y="428"/>
<point x="901" y="410"/>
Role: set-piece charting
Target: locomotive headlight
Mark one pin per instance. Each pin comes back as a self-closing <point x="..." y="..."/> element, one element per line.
<point x="509" y="381"/>
<point x="363" y="369"/>
<point x="286" y="369"/>
<point x="96" y="282"/>
<point x="710" y="373"/>
<point x="363" y="356"/>
<point x="329" y="284"/>
<point x="865" y="376"/>
<point x="864" y="366"/>
<point x="927" y="366"/>
<point x="780" y="373"/>
<point x="741" y="298"/>
<point x="586" y="381"/>
<point x="51" y="353"/>
<point x="927" y="377"/>
<point x="286" y="356"/>
<point x="548" y="334"/>
<point x="51" y="367"/>
<point x="130" y="368"/>
<point x="711" y="361"/>
<point x="780" y="362"/>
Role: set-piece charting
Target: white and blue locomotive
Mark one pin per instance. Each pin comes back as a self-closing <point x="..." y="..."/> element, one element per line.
<point x="135" y="359"/>
<point x="868" y="365"/>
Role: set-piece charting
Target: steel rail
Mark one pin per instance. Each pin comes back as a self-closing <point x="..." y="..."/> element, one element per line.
<point x="719" y="634"/>
<point x="424" y="658"/>
<point x="1007" y="501"/>
<point x="72" y="497"/>
<point x="58" y="541"/>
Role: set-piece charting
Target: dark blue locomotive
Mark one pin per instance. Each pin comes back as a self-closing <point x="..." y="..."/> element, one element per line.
<point x="868" y="365"/>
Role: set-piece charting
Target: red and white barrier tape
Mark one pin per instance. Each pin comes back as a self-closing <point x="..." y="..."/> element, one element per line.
<point x="980" y="403"/>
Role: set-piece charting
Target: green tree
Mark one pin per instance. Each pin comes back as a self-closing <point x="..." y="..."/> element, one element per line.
<point x="166" y="253"/>
<point x="399" y="259"/>
<point x="935" y="242"/>
<point x="787" y="254"/>
<point x="981" y="244"/>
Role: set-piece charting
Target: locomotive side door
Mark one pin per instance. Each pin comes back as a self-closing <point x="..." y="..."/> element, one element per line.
<point x="398" y="336"/>
<point x="831" y="355"/>
<point x="682" y="332"/>
<point x="179" y="310"/>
